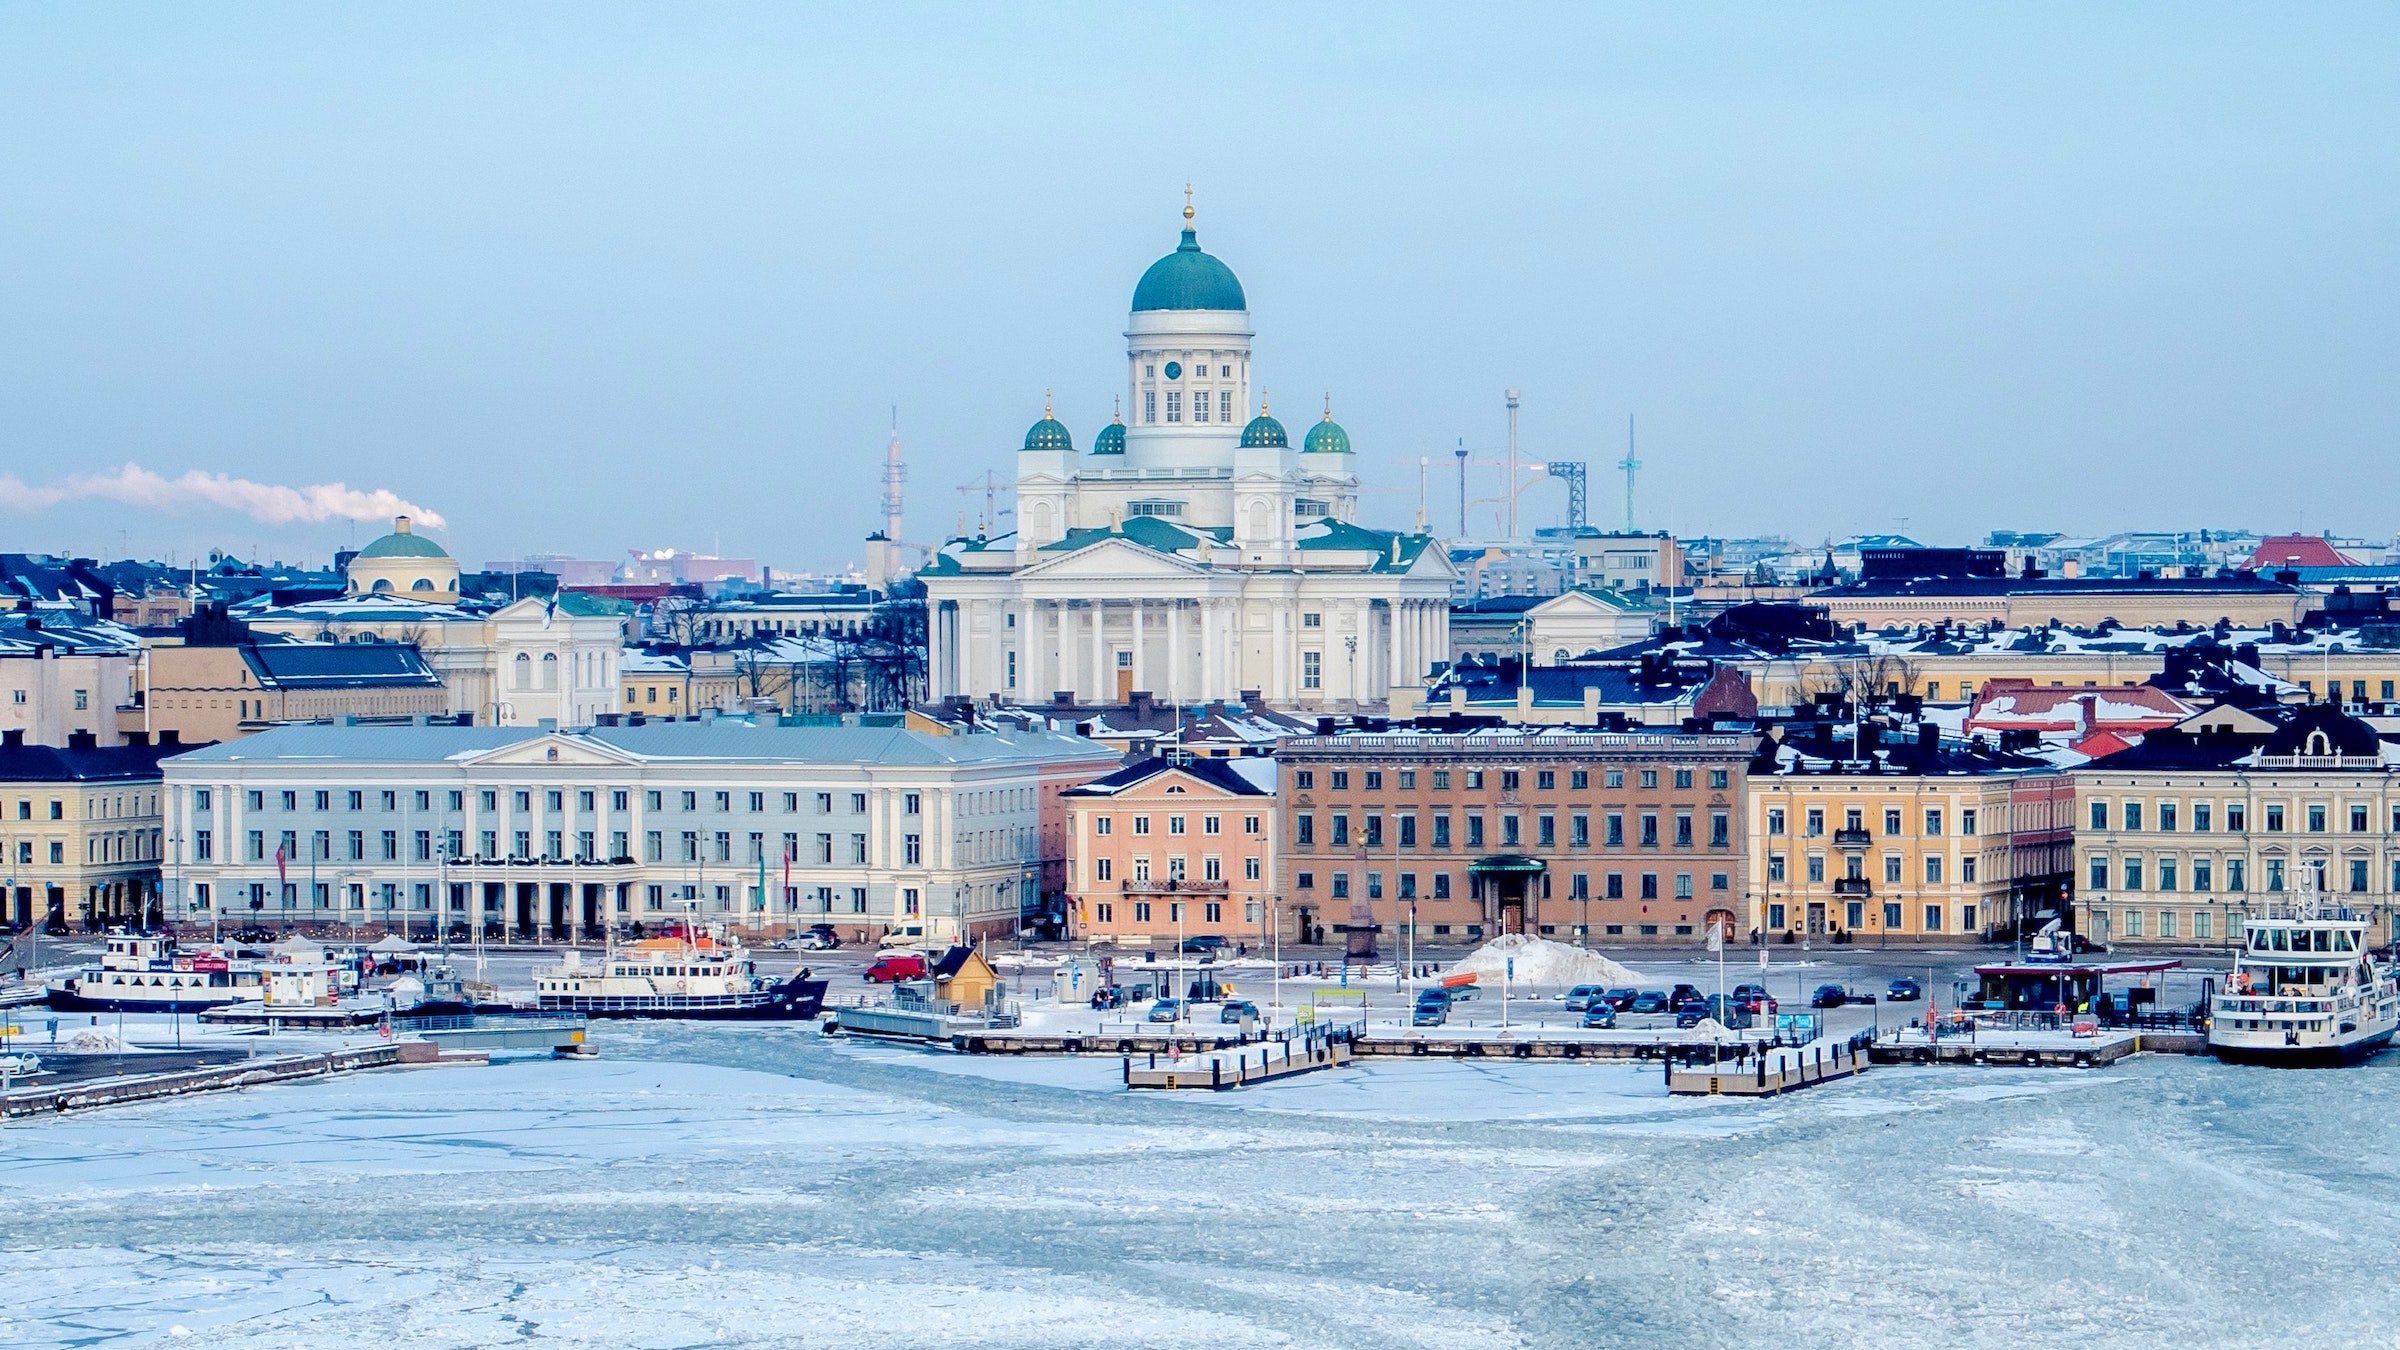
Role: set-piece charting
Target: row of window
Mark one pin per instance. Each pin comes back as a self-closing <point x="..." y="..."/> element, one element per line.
<point x="1175" y="824"/>
<point x="1854" y="819"/>
<point x="1511" y="780"/>
<point x="1579" y="885"/>
<point x="2164" y="923"/>
<point x="1212" y="868"/>
<point x="1935" y="868"/>
<point x="586" y="800"/>
<point x="1856" y="914"/>
<point x="2170" y="874"/>
<point x="2316" y="817"/>
<point x="1512" y="830"/>
<point x="286" y="895"/>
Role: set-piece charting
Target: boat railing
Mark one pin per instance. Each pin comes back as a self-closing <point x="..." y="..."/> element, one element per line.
<point x="2279" y="910"/>
<point x="2264" y="1005"/>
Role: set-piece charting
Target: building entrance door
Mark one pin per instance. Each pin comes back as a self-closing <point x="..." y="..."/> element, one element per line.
<point x="1816" y="918"/>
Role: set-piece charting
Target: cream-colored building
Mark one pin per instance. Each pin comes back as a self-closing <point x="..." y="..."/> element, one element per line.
<point x="536" y="659"/>
<point x="63" y="673"/>
<point x="404" y="563"/>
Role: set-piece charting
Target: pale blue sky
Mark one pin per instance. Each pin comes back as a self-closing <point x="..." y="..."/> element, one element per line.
<point x="585" y="277"/>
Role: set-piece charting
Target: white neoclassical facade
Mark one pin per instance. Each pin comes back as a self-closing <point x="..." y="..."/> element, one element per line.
<point x="1195" y="553"/>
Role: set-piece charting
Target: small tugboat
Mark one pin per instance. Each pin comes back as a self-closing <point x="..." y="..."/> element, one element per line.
<point x="700" y="977"/>
<point x="2304" y="990"/>
<point x="139" y="973"/>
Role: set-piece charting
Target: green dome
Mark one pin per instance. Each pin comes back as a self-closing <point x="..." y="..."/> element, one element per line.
<point x="403" y="542"/>
<point x="1111" y="440"/>
<point x="1326" y="438"/>
<point x="1188" y="279"/>
<point x="1049" y="434"/>
<point x="1264" y="433"/>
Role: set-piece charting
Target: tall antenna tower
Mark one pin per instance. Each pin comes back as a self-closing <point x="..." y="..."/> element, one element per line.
<point x="1630" y="465"/>
<point x="894" y="474"/>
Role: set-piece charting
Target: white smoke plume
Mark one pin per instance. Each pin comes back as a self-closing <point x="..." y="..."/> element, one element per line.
<point x="268" y="503"/>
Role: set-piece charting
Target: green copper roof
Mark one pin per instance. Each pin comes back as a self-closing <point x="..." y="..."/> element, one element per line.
<point x="1326" y="438"/>
<point x="1049" y="434"/>
<point x="1263" y="433"/>
<point x="1189" y="279"/>
<point x="1110" y="441"/>
<point x="403" y="544"/>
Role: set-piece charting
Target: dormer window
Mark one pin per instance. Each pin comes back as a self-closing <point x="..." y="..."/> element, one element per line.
<point x="1309" y="509"/>
<point x="2319" y="744"/>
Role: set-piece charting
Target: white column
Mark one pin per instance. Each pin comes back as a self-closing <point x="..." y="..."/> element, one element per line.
<point x="1207" y="619"/>
<point x="1029" y="647"/>
<point x="1141" y="667"/>
<point x="1103" y="688"/>
<point x="1176" y="689"/>
<point x="1281" y="689"/>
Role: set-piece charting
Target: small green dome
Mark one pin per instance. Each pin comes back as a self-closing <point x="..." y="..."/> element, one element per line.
<point x="403" y="542"/>
<point x="1111" y="440"/>
<point x="1264" y="433"/>
<point x="1189" y="279"/>
<point x="1049" y="434"/>
<point x="1326" y="438"/>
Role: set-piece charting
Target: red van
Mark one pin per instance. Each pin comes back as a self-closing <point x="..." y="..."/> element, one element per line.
<point x="897" y="966"/>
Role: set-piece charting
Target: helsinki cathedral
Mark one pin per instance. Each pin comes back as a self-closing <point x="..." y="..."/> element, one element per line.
<point x="1195" y="551"/>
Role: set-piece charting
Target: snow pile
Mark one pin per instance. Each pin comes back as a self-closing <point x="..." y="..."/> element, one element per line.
<point x="94" y="1041"/>
<point x="1542" y="962"/>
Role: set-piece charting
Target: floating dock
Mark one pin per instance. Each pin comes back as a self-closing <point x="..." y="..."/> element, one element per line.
<point x="118" y="1089"/>
<point x="1242" y="1066"/>
<point x="1771" y="1072"/>
<point x="2031" y="1048"/>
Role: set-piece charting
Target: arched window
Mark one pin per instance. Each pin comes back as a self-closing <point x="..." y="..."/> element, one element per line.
<point x="421" y="584"/>
<point x="382" y="584"/>
<point x="549" y="670"/>
<point x="524" y="671"/>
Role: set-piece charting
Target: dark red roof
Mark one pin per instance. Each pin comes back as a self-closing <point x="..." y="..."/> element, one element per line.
<point x="2296" y="550"/>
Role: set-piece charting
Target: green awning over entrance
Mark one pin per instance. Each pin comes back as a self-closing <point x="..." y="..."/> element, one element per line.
<point x="1507" y="862"/>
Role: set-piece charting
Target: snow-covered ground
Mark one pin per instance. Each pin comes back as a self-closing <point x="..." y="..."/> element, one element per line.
<point x="759" y="1186"/>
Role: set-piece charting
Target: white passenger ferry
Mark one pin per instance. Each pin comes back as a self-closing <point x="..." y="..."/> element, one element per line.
<point x="140" y="973"/>
<point x="700" y="977"/>
<point x="2304" y="990"/>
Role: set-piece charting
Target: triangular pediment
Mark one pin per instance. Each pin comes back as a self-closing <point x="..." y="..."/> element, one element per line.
<point x="555" y="748"/>
<point x="1113" y="559"/>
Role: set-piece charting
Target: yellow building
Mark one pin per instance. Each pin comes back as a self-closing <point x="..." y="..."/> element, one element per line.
<point x="1920" y="841"/>
<point x="81" y="833"/>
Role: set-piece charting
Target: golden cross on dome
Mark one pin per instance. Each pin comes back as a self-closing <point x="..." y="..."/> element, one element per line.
<point x="1187" y="203"/>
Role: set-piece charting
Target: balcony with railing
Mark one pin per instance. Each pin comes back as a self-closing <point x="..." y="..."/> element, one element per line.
<point x="1176" y="886"/>
<point x="1852" y="886"/>
<point x="1851" y="838"/>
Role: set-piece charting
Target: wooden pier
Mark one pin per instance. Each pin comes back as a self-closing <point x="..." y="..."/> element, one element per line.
<point x="2029" y="1049"/>
<point x="1242" y="1066"/>
<point x="118" y="1089"/>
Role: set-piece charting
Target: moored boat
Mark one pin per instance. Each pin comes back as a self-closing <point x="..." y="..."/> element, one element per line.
<point x="699" y="977"/>
<point x="142" y="973"/>
<point x="2305" y="990"/>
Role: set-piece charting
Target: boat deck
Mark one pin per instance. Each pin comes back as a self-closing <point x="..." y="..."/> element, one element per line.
<point x="1241" y="1066"/>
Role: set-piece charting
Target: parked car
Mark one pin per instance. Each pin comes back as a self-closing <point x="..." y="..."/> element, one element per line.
<point x="1599" y="1016"/>
<point x="1730" y="1011"/>
<point x="1904" y="990"/>
<point x="1691" y="1015"/>
<point x="1648" y="1001"/>
<point x="1205" y="943"/>
<point x="896" y="966"/>
<point x="1755" y="998"/>
<point x="1165" y="1010"/>
<point x="1829" y="996"/>
<point x="1433" y="1008"/>
<point x="1682" y="994"/>
<point x="1461" y="993"/>
<point x="1236" y="1010"/>
<point x="820" y="938"/>
<point x="1582" y="996"/>
<point x="912" y="935"/>
<point x="1619" y="999"/>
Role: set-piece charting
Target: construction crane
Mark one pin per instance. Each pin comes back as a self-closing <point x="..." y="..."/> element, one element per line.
<point x="991" y="487"/>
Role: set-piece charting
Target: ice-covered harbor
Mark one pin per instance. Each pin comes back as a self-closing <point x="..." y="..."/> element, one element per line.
<point x="764" y="1187"/>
